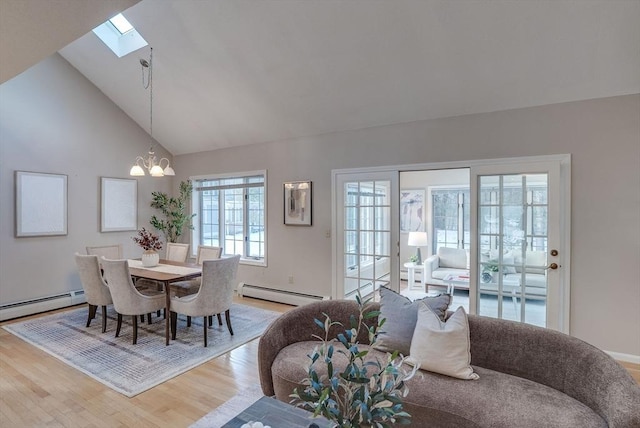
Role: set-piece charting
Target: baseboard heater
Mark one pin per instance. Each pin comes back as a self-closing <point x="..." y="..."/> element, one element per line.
<point x="43" y="304"/>
<point x="280" y="296"/>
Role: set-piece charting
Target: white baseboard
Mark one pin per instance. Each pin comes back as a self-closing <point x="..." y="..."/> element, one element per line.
<point x="36" y="306"/>
<point x="280" y="296"/>
<point x="627" y="358"/>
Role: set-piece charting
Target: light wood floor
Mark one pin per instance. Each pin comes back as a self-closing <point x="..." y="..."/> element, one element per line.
<point x="37" y="390"/>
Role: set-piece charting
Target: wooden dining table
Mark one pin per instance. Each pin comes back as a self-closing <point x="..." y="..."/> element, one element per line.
<point x="165" y="272"/>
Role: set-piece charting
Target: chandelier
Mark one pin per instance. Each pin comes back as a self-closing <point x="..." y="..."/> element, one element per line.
<point x="149" y="162"/>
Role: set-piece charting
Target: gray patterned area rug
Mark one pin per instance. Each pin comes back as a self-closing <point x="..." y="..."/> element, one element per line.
<point x="132" y="369"/>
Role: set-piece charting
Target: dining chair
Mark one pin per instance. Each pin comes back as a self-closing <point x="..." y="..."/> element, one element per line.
<point x="177" y="252"/>
<point x="185" y="288"/>
<point x="127" y="299"/>
<point x="214" y="296"/>
<point x="113" y="252"/>
<point x="95" y="289"/>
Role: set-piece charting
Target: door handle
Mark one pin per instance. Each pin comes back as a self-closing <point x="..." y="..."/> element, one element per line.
<point x="553" y="266"/>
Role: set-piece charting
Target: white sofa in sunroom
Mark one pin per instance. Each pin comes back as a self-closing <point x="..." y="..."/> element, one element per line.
<point x="455" y="261"/>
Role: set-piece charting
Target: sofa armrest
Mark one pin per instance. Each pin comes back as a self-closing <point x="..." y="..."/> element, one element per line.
<point x="559" y="361"/>
<point x="297" y="325"/>
<point x="430" y="264"/>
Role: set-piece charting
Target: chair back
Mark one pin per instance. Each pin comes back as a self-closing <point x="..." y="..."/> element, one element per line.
<point x="208" y="253"/>
<point x="95" y="289"/>
<point x="113" y="252"/>
<point x="126" y="299"/>
<point x="177" y="252"/>
<point x="218" y="285"/>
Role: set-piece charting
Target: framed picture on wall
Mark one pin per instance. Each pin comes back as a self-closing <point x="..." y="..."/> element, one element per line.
<point x="119" y="204"/>
<point x="297" y="203"/>
<point x="412" y="210"/>
<point x="41" y="204"/>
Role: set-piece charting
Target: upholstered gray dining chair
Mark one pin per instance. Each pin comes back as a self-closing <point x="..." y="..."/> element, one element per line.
<point x="177" y="252"/>
<point x="127" y="300"/>
<point x="185" y="288"/>
<point x="95" y="289"/>
<point x="214" y="296"/>
<point x="113" y="252"/>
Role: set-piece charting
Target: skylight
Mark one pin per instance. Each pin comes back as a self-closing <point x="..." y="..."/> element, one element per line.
<point x="121" y="24"/>
<point x="120" y="36"/>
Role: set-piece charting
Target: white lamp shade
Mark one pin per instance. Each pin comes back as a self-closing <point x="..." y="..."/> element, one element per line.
<point x="156" y="171"/>
<point x="136" y="171"/>
<point x="169" y="171"/>
<point x="418" y="239"/>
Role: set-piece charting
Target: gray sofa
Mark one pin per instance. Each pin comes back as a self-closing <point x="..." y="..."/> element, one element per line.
<point x="529" y="376"/>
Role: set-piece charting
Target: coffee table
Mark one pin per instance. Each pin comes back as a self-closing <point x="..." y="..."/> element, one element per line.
<point x="453" y="280"/>
<point x="277" y="414"/>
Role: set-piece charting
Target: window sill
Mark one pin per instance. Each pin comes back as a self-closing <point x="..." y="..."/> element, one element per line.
<point x="252" y="262"/>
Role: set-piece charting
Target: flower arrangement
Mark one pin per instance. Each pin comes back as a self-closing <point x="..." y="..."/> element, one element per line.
<point x="147" y="240"/>
<point x="367" y="392"/>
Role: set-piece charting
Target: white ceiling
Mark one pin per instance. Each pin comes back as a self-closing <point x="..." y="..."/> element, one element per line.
<point x="236" y="72"/>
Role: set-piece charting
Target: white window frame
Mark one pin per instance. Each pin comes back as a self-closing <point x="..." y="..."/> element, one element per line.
<point x="195" y="208"/>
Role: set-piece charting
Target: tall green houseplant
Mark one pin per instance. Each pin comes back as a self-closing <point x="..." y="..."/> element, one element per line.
<point x="174" y="212"/>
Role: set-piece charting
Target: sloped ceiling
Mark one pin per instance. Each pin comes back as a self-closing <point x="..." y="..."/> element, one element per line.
<point x="236" y="72"/>
<point x="31" y="30"/>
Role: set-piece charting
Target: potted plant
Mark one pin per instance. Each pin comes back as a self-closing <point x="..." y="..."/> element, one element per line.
<point x="488" y="271"/>
<point x="151" y="244"/>
<point x="366" y="392"/>
<point x="174" y="211"/>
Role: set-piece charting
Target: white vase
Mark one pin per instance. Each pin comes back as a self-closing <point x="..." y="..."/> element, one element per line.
<point x="150" y="258"/>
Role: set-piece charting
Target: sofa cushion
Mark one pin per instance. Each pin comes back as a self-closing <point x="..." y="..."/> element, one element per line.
<point x="442" y="346"/>
<point x="452" y="257"/>
<point x="401" y="315"/>
<point x="496" y="400"/>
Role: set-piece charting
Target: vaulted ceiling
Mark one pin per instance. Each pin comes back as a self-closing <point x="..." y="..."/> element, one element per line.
<point x="236" y="72"/>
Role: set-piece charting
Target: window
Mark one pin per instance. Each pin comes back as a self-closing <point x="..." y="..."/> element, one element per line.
<point x="450" y="218"/>
<point x="231" y="214"/>
<point x="120" y="36"/>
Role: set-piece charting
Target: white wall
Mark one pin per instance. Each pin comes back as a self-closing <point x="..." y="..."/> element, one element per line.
<point x="54" y="120"/>
<point x="602" y="135"/>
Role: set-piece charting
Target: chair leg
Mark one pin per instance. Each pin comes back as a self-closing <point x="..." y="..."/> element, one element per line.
<point x="104" y="318"/>
<point x="189" y="321"/>
<point x="204" y="325"/>
<point x="174" y="324"/>
<point x="210" y="320"/>
<point x="158" y="313"/>
<point x="135" y="329"/>
<point x="219" y="320"/>
<point x="142" y="318"/>
<point x="149" y="318"/>
<point x="119" y="325"/>
<point x="228" y="319"/>
<point x="92" y="314"/>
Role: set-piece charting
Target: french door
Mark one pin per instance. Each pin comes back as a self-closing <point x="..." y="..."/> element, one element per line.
<point x="518" y="257"/>
<point x="366" y="241"/>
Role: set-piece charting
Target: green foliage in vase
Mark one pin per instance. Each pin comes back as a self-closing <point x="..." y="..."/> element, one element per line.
<point x="174" y="211"/>
<point x="366" y="392"/>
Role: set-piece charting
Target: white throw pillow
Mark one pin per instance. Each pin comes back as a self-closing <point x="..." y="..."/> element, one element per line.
<point x="442" y="346"/>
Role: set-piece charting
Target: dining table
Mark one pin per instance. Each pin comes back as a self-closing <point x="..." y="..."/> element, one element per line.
<point x="165" y="272"/>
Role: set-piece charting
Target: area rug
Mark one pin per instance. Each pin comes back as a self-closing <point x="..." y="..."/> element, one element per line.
<point x="230" y="409"/>
<point x="132" y="369"/>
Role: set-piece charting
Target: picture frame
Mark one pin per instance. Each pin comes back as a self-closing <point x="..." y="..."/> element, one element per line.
<point x="40" y="204"/>
<point x="119" y="204"/>
<point x="297" y="203"/>
<point x="412" y="210"/>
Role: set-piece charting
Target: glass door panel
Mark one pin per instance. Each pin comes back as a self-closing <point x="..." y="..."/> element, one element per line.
<point x="365" y="232"/>
<point x="517" y="229"/>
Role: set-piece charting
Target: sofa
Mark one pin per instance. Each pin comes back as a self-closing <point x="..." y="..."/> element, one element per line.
<point x="528" y="376"/>
<point x="455" y="261"/>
